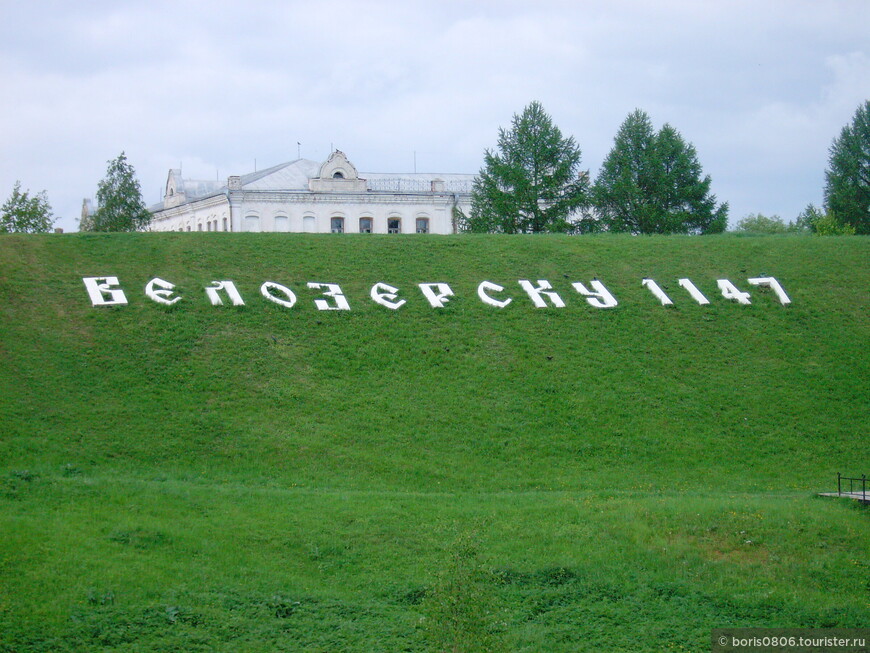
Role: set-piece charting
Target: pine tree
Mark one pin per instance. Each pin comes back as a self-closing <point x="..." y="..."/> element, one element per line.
<point x="532" y="183"/>
<point x="26" y="213"/>
<point x="651" y="183"/>
<point x="847" y="179"/>
<point x="119" y="199"/>
<point x="623" y="190"/>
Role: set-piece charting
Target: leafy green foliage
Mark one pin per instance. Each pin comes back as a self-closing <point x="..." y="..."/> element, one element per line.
<point x="821" y="223"/>
<point x="461" y="611"/>
<point x="757" y="223"/>
<point x="651" y="183"/>
<point x="202" y="478"/>
<point x="26" y="213"/>
<point x="847" y="179"/>
<point x="119" y="199"/>
<point x="533" y="183"/>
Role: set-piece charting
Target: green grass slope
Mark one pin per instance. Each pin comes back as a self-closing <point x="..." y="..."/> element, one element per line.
<point x="264" y="478"/>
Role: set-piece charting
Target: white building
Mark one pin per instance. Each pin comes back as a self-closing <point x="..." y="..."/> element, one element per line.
<point x="307" y="196"/>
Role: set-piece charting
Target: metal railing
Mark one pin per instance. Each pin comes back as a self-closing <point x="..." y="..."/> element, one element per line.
<point x="852" y="483"/>
<point x="403" y="184"/>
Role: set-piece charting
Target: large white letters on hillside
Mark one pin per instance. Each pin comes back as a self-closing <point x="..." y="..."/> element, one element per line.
<point x="385" y="295"/>
<point x="773" y="284"/>
<point x="657" y="292"/>
<point x="284" y="290"/>
<point x="436" y="293"/>
<point x="334" y="291"/>
<point x="229" y="288"/>
<point x="696" y="294"/>
<point x="537" y="293"/>
<point x="486" y="299"/>
<point x="599" y="296"/>
<point x="106" y="291"/>
<point x="98" y="289"/>
<point x="160" y="291"/>
<point x="729" y="291"/>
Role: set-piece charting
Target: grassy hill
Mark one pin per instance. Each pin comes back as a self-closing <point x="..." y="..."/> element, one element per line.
<point x="264" y="478"/>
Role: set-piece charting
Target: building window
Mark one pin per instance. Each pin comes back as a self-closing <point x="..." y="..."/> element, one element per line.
<point x="394" y="225"/>
<point x="252" y="223"/>
<point x="336" y="225"/>
<point x="365" y="225"/>
<point x="225" y="224"/>
<point x="282" y="223"/>
<point x="338" y="175"/>
<point x="199" y="226"/>
<point x="422" y="225"/>
<point x="309" y="224"/>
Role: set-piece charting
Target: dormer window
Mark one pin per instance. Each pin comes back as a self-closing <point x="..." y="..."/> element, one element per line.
<point x="338" y="175"/>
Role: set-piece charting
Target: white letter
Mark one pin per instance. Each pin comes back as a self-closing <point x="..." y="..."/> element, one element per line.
<point x="291" y="297"/>
<point x="770" y="282"/>
<point x="97" y="290"/>
<point x="696" y="294"/>
<point x="658" y="292"/>
<point x="486" y="299"/>
<point x="334" y="291"/>
<point x="229" y="287"/>
<point x="385" y="295"/>
<point x="542" y="289"/>
<point x="436" y="293"/>
<point x="162" y="295"/>
<point x="601" y="298"/>
<point x="729" y="291"/>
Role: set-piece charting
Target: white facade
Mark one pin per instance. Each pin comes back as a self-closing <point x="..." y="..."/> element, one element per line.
<point x="306" y="196"/>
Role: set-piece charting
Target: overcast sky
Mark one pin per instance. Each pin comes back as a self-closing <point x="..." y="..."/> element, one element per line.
<point x="761" y="87"/>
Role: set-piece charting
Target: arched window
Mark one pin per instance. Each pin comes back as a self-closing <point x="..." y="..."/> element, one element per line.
<point x="394" y="225"/>
<point x="338" y="175"/>
<point x="365" y="225"/>
<point x="252" y="223"/>
<point x="309" y="224"/>
<point x="282" y="223"/>
<point x="336" y="225"/>
<point x="422" y="225"/>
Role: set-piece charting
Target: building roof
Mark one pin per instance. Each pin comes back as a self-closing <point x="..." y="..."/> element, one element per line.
<point x="296" y="175"/>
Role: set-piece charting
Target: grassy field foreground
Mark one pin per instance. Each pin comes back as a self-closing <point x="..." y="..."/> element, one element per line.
<point x="263" y="478"/>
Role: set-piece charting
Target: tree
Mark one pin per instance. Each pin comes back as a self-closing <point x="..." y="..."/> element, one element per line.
<point x="533" y="183"/>
<point x="651" y="183"/>
<point x="26" y="213"/>
<point x="821" y="223"/>
<point x="757" y="223"/>
<point x="119" y="199"/>
<point x="847" y="179"/>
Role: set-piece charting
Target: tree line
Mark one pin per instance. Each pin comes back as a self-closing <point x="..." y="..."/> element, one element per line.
<point x="120" y="206"/>
<point x="651" y="182"/>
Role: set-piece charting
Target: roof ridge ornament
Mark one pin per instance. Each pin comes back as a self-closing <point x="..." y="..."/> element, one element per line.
<point x="337" y="174"/>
